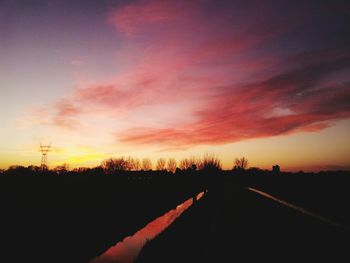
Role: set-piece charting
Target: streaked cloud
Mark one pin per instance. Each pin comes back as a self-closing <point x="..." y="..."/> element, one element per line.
<point x="192" y="73"/>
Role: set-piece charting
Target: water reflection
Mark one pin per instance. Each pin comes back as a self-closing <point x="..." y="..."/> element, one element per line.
<point x="298" y="208"/>
<point x="127" y="250"/>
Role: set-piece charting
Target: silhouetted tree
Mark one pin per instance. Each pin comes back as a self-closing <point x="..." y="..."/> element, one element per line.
<point x="34" y="168"/>
<point x="146" y="164"/>
<point x="16" y="168"/>
<point x="189" y="163"/>
<point x="210" y="163"/>
<point x="61" y="169"/>
<point x="240" y="163"/>
<point x="161" y="162"/>
<point x="129" y="163"/>
<point x="171" y="165"/>
<point x="185" y="164"/>
<point x="114" y="165"/>
<point x="133" y="164"/>
<point x="136" y="164"/>
<point x="195" y="163"/>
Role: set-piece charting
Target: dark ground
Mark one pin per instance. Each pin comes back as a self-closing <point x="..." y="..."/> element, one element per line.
<point x="232" y="224"/>
<point x="74" y="218"/>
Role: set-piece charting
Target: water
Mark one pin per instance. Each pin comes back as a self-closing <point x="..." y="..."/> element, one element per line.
<point x="298" y="208"/>
<point x="127" y="250"/>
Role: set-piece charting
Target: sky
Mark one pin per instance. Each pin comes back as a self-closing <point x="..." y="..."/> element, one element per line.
<point x="268" y="80"/>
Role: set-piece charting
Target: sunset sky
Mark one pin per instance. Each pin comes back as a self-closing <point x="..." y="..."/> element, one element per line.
<point x="268" y="80"/>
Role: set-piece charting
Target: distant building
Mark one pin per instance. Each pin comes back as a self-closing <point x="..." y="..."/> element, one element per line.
<point x="276" y="168"/>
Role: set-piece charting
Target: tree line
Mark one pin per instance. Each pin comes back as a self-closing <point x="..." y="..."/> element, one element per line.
<point x="207" y="162"/>
<point x="114" y="165"/>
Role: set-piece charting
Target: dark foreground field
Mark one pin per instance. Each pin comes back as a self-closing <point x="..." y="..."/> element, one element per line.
<point x="233" y="224"/>
<point x="74" y="218"/>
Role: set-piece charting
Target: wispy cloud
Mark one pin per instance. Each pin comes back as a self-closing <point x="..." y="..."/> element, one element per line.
<point x="243" y="111"/>
<point x="66" y="114"/>
<point x="200" y="72"/>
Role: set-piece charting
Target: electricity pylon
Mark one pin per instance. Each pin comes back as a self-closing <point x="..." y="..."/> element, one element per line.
<point x="44" y="149"/>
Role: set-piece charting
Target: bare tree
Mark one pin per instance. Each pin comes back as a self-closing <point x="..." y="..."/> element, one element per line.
<point x="113" y="165"/>
<point x="189" y="163"/>
<point x="210" y="163"/>
<point x="240" y="163"/>
<point x="161" y="162"/>
<point x="137" y="164"/>
<point x="195" y="163"/>
<point x="146" y="164"/>
<point x="171" y="165"/>
<point x="130" y="163"/>
<point x="185" y="164"/>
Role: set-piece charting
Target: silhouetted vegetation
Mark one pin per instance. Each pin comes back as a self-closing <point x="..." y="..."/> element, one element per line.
<point x="74" y="215"/>
<point x="240" y="163"/>
<point x="146" y="164"/>
<point x="210" y="163"/>
<point x="115" y="165"/>
<point x="171" y="165"/>
<point x="161" y="164"/>
<point x="231" y="224"/>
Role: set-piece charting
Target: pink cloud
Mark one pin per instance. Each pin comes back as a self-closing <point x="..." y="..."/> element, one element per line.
<point x="199" y="77"/>
<point x="146" y="14"/>
<point x="65" y="114"/>
<point x="239" y="112"/>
